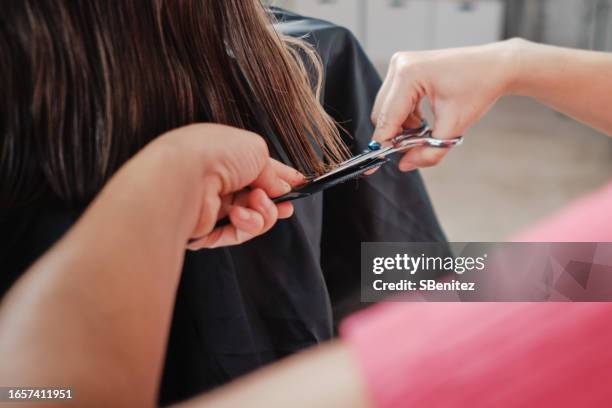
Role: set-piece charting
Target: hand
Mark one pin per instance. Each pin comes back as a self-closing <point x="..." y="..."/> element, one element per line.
<point x="462" y="84"/>
<point x="250" y="211"/>
<point x="231" y="174"/>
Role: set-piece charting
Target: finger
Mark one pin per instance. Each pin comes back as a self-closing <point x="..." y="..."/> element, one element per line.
<point x="285" y="210"/>
<point x="414" y="121"/>
<point x="447" y="123"/>
<point x="371" y="171"/>
<point x="243" y="199"/>
<point x="422" y="157"/>
<point x="247" y="221"/>
<point x="258" y="219"/>
<point x="397" y="107"/>
<point x="418" y="110"/>
<point x="287" y="173"/>
<point x="260" y="202"/>
<point x="208" y="237"/>
<point x="209" y="213"/>
<point x="270" y="182"/>
<point x="230" y="200"/>
<point x="382" y="94"/>
<point x="277" y="178"/>
<point x="245" y="224"/>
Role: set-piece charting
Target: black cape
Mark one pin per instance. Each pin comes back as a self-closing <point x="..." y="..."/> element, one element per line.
<point x="242" y="307"/>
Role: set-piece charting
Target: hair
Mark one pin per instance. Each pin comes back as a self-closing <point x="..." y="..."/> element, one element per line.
<point x="86" y="84"/>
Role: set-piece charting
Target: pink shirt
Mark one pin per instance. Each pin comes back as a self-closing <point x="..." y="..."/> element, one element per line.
<point x="494" y="354"/>
<point x="587" y="220"/>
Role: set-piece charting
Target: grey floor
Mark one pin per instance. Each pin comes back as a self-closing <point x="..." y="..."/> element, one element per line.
<point x="519" y="164"/>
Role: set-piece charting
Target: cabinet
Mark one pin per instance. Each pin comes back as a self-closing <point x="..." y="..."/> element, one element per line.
<point x="462" y="23"/>
<point x="393" y="25"/>
<point x="386" y="26"/>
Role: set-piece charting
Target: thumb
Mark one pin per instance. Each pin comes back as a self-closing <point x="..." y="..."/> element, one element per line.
<point x="447" y="124"/>
<point x="399" y="104"/>
<point x="210" y="206"/>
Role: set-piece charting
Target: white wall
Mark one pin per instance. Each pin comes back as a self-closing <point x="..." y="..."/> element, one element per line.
<point x="385" y="26"/>
<point x="569" y="23"/>
<point x="578" y="23"/>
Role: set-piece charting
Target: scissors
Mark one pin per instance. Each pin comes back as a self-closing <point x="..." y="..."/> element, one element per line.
<point x="374" y="156"/>
<point x="408" y="139"/>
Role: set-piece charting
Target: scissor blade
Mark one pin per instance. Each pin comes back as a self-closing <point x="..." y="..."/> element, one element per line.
<point x="355" y="161"/>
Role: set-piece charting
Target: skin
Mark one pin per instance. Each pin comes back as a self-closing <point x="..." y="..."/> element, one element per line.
<point x="326" y="376"/>
<point x="100" y="300"/>
<point x="463" y="84"/>
<point x="94" y="312"/>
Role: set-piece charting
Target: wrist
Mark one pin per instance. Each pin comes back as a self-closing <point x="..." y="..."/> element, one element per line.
<point x="513" y="53"/>
<point x="181" y="186"/>
<point x="524" y="66"/>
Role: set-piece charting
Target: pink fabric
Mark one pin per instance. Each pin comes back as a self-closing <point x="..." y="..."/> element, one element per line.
<point x="494" y="354"/>
<point x="587" y="220"/>
<point x="484" y="354"/>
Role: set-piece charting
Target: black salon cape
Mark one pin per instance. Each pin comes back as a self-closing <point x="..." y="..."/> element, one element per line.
<point x="241" y="307"/>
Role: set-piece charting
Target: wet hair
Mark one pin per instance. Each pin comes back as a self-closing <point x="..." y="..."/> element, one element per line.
<point x="86" y="84"/>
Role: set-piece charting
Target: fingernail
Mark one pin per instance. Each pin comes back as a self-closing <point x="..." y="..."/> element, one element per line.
<point x="265" y="205"/>
<point x="375" y="135"/>
<point x="285" y="187"/>
<point x="405" y="167"/>
<point x="243" y="214"/>
<point x="374" y="145"/>
<point x="269" y="204"/>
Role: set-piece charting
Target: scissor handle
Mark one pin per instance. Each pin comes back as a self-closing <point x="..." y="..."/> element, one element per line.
<point x="422" y="136"/>
<point x="413" y="132"/>
<point x="444" y="143"/>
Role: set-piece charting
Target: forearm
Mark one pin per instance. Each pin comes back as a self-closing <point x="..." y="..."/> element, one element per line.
<point x="483" y="354"/>
<point x="325" y="376"/>
<point x="575" y="82"/>
<point x="105" y="344"/>
<point x="93" y="313"/>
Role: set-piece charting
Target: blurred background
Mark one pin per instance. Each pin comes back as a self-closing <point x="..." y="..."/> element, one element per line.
<point x="523" y="161"/>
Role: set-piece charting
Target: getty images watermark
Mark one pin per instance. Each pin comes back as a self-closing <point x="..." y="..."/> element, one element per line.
<point x="422" y="263"/>
<point x="486" y="271"/>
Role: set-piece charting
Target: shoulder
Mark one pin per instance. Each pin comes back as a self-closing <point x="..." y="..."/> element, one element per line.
<point x="323" y="35"/>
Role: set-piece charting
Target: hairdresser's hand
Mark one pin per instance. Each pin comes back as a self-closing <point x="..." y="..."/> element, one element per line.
<point x="230" y="174"/>
<point x="462" y="84"/>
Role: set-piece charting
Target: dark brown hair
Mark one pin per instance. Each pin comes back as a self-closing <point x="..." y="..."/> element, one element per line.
<point x="85" y="84"/>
